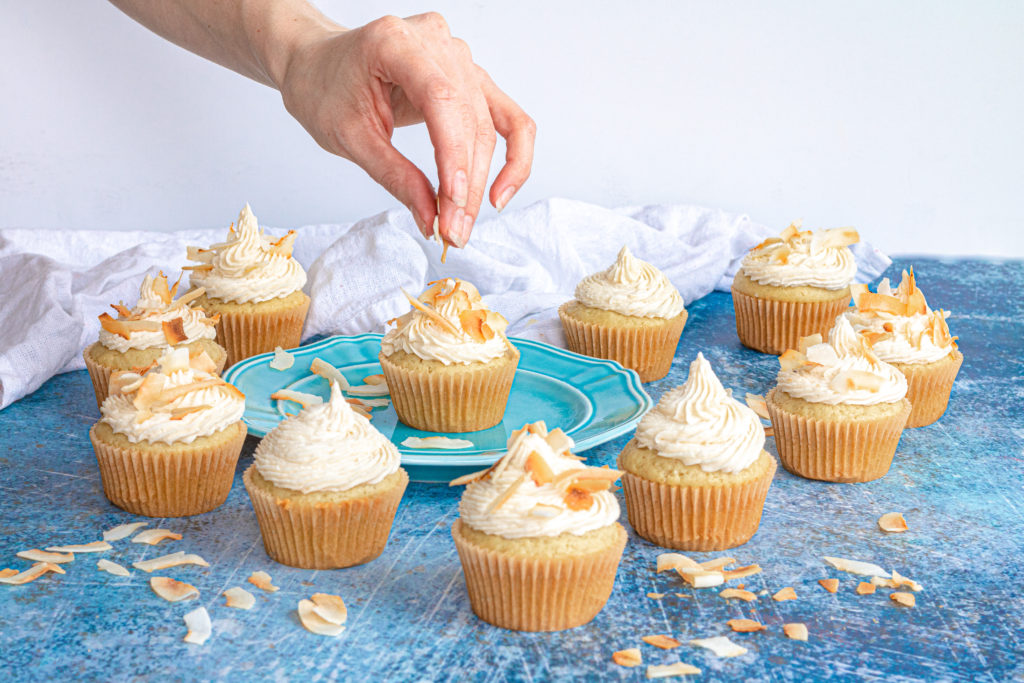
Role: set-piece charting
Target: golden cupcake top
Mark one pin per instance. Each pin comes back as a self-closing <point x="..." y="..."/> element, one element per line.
<point x="157" y="319"/>
<point x="539" y="489"/>
<point x="798" y="258"/>
<point x="631" y="287"/>
<point x="178" y="399"/>
<point x="842" y="370"/>
<point x="898" y="323"/>
<point x="249" y="267"/>
<point x="450" y="323"/>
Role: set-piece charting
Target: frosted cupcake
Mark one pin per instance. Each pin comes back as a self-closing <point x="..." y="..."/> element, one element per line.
<point x="538" y="535"/>
<point x="255" y="285"/>
<point x="906" y="333"/>
<point x="137" y="337"/>
<point x="696" y="475"/>
<point x="793" y="286"/>
<point x="447" y="362"/>
<point x="837" y="410"/>
<point x="629" y="313"/>
<point x="168" y="440"/>
<point x="325" y="485"/>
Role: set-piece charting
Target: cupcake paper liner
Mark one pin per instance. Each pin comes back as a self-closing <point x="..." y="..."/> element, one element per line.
<point x="847" y="451"/>
<point x="525" y="593"/>
<point x="248" y="334"/>
<point x="648" y="351"/>
<point x="928" y="388"/>
<point x="699" y="518"/>
<point x="324" y="535"/>
<point x="466" y="401"/>
<point x="772" y="326"/>
<point x="183" y="481"/>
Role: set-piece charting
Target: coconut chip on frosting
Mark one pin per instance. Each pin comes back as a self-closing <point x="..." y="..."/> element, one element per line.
<point x="139" y="319"/>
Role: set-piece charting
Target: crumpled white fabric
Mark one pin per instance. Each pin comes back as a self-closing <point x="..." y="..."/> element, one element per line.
<point x="54" y="283"/>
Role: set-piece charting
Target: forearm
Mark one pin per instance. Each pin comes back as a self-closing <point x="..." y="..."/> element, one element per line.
<point x="253" y="37"/>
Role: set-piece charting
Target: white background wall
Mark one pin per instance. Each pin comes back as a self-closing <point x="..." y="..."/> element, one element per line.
<point x="901" y="118"/>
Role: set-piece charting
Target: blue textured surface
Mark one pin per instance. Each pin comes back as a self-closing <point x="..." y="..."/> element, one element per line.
<point x="592" y="400"/>
<point x="958" y="482"/>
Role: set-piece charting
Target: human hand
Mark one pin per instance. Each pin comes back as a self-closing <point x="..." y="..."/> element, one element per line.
<point x="350" y="88"/>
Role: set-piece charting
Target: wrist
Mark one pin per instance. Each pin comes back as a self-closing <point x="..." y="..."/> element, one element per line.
<point x="277" y="31"/>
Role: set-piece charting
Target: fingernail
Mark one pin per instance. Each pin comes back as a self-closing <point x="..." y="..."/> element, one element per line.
<point x="505" y="197"/>
<point x="455" y="229"/>
<point x="460" y="188"/>
<point x="467" y="229"/>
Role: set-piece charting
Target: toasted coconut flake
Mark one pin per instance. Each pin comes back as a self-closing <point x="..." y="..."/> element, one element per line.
<point x="506" y="494"/>
<point x="155" y="536"/>
<point x="372" y="402"/>
<point x="667" y="561"/>
<point x="174" y="331"/>
<point x="31" y="574"/>
<point x="655" y="596"/>
<point x="898" y="580"/>
<point x="282" y="360"/>
<point x="470" y="478"/>
<point x="746" y="625"/>
<point x="303" y="399"/>
<point x="893" y="522"/>
<point x="670" y="670"/>
<point x="200" y="268"/>
<point x="199" y="627"/>
<point x="374" y="379"/>
<point x="37" y="555"/>
<point x="578" y="498"/>
<point x="4" y="573"/>
<point x="758" y="404"/>
<point x="167" y="561"/>
<point x="324" y="369"/>
<point x="791" y="360"/>
<point x="738" y="594"/>
<point x="630" y="657"/>
<point x="544" y="510"/>
<point x="124" y="328"/>
<point x="720" y="645"/>
<point x="856" y="567"/>
<point x="330" y="608"/>
<point x="122" y="531"/>
<point x="865" y="588"/>
<point x="112" y="568"/>
<point x="839" y="237"/>
<point x="831" y="585"/>
<point x="700" y="578"/>
<point x="807" y="342"/>
<point x="795" y="631"/>
<point x="742" y="572"/>
<point x="284" y="245"/>
<point x="661" y="641"/>
<point x="903" y="598"/>
<point x="717" y="563"/>
<point x="883" y="582"/>
<point x="262" y="580"/>
<point x="369" y="390"/>
<point x="239" y="598"/>
<point x="433" y="315"/>
<point x="538" y="469"/>
<point x="442" y="442"/>
<point x="94" y="547"/>
<point x="786" y="593"/>
<point x="171" y="590"/>
<point x="314" y="623"/>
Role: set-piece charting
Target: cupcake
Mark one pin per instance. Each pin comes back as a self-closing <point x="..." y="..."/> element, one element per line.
<point x="696" y="475"/>
<point x="837" y="410"/>
<point x="447" y="362"/>
<point x="629" y="313"/>
<point x="325" y="485"/>
<point x="904" y="332"/>
<point x="168" y="440"/>
<point x="793" y="286"/>
<point x="255" y="285"/>
<point x="537" y="535"/>
<point x="137" y="337"/>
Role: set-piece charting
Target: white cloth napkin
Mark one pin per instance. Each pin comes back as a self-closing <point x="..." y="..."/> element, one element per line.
<point x="54" y="283"/>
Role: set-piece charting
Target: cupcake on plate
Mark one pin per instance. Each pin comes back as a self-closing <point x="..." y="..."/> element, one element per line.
<point x="255" y="285"/>
<point x="696" y="475"/>
<point x="448" y="364"/>
<point x="906" y="333"/>
<point x="538" y="535"/>
<point x="168" y="440"/>
<point x="837" y="410"/>
<point x="325" y="485"/>
<point x="137" y="337"/>
<point x="793" y="286"/>
<point x="628" y="313"/>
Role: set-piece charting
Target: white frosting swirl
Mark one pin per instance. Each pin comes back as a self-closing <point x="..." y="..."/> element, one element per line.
<point x="247" y="269"/>
<point x="843" y="371"/>
<point x="420" y="334"/>
<point x="217" y="406"/>
<point x="517" y="516"/>
<point x="152" y="307"/>
<point x="814" y="259"/>
<point x="903" y="338"/>
<point x="631" y="287"/>
<point x="326" y="447"/>
<point x="699" y="423"/>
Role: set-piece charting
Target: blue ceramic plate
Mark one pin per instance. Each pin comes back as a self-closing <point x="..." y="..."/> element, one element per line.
<point x="592" y="400"/>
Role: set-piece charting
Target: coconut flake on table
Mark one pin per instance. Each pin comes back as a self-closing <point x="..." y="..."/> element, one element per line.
<point x="443" y="442"/>
<point x="112" y="568"/>
<point x="172" y="560"/>
<point x="670" y="670"/>
<point x="172" y="590"/>
<point x="856" y="567"/>
<point x="239" y="598"/>
<point x="155" y="536"/>
<point x="37" y="555"/>
<point x="262" y="580"/>
<point x="314" y="623"/>
<point x="94" y="547"/>
<point x="720" y="645"/>
<point x="31" y="574"/>
<point x="123" y="531"/>
<point x="199" y="627"/>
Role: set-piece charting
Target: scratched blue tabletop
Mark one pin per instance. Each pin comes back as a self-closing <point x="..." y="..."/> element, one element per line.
<point x="959" y="484"/>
